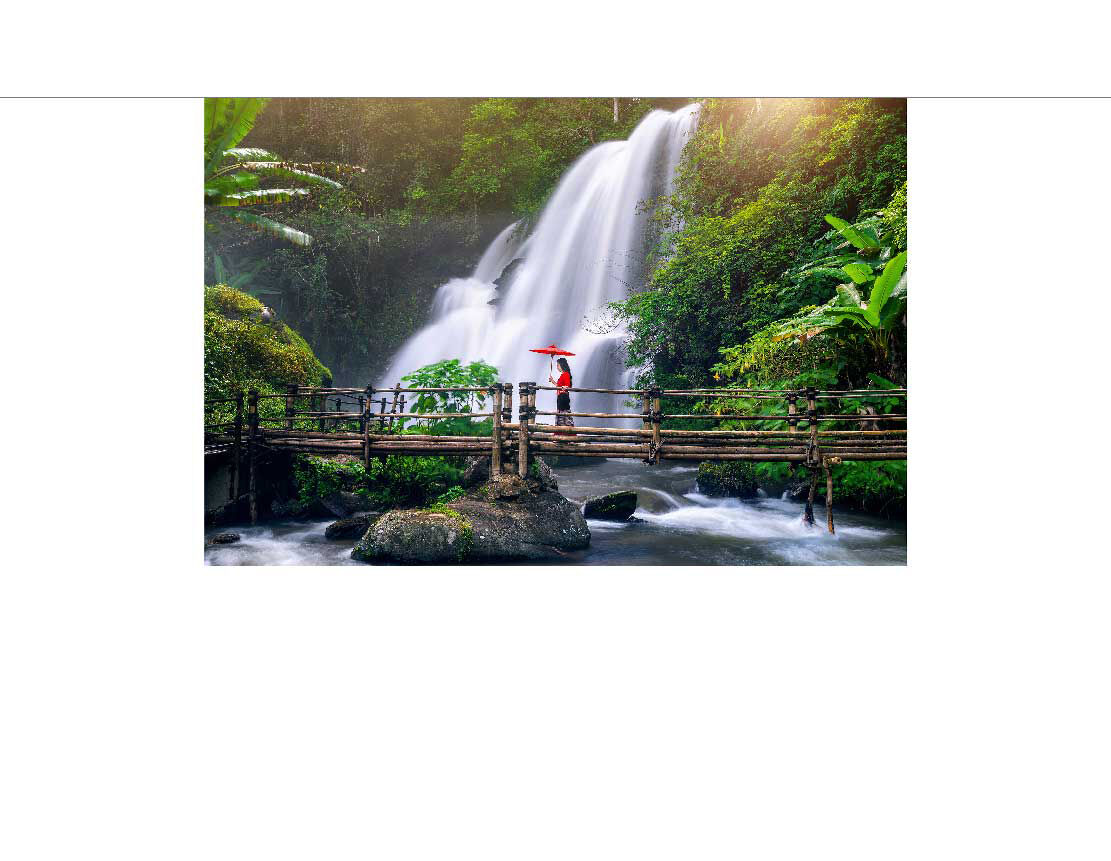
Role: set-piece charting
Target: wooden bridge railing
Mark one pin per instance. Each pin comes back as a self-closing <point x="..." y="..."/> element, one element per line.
<point x="357" y="422"/>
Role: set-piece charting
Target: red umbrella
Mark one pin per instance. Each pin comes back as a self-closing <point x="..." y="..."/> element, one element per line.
<point x="551" y="350"/>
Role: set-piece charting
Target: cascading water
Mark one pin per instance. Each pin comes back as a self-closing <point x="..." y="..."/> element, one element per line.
<point x="589" y="246"/>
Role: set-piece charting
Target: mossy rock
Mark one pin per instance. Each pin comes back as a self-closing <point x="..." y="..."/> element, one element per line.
<point x="727" y="478"/>
<point x="617" y="506"/>
<point x="417" y="537"/>
<point x="242" y="351"/>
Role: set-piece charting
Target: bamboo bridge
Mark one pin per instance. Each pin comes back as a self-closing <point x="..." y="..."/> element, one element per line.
<point x="373" y="423"/>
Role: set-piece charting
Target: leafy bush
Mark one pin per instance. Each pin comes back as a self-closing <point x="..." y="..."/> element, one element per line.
<point x="401" y="481"/>
<point x="877" y="487"/>
<point x="446" y="374"/>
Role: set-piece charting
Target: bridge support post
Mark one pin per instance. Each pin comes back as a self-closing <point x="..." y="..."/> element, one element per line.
<point x="812" y="421"/>
<point x="321" y="404"/>
<point x="792" y="412"/>
<point x="524" y="411"/>
<point x="827" y="466"/>
<point x="237" y="449"/>
<point x="808" y="514"/>
<point x="252" y="452"/>
<point x="393" y="404"/>
<point x="657" y="422"/>
<point x="365" y="402"/>
<point x="291" y="394"/>
<point x="495" y="433"/>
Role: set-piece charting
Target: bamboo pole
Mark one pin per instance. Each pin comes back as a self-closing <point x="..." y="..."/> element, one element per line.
<point x="252" y="454"/>
<point x="233" y="483"/>
<point x="495" y="435"/>
<point x="829" y="494"/>
<point x="522" y="437"/>
<point x="393" y="404"/>
<point x="291" y="394"/>
<point x="808" y="513"/>
<point x="657" y="421"/>
<point x="366" y="402"/>
<point x="792" y="411"/>
<point x="812" y="423"/>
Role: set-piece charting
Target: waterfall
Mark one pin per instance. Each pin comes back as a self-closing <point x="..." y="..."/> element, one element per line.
<point x="590" y="244"/>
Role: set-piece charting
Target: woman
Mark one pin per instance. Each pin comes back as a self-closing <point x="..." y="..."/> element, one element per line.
<point x="563" y="395"/>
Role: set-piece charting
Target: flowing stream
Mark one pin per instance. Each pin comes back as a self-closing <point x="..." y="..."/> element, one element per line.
<point x="589" y="246"/>
<point x="674" y="525"/>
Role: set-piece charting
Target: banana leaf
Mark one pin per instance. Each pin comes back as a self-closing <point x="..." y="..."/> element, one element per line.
<point x="885" y="285"/>
<point x="269" y="196"/>
<point x="267" y="225"/>
<point x="861" y="273"/>
<point x="848" y="297"/>
<point x="854" y="236"/>
<point x="227" y="122"/>
<point x="251" y="153"/>
<point x="288" y="170"/>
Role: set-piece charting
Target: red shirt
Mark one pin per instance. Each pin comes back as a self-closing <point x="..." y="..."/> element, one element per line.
<point x="564" y="381"/>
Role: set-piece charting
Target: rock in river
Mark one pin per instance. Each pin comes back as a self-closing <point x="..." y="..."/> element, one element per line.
<point x="613" y="506"/>
<point x="354" y="526"/>
<point x="224" y="538"/>
<point x="505" y="519"/>
<point x="727" y="478"/>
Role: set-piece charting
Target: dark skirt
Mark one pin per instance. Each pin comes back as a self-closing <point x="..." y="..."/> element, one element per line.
<point x="563" y="406"/>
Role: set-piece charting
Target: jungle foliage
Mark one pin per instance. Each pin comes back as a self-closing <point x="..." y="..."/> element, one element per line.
<point x="755" y="183"/>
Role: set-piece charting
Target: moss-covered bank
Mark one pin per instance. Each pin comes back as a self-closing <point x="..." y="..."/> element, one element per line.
<point x="244" y="351"/>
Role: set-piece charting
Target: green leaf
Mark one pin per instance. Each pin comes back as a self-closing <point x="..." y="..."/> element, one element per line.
<point x="885" y="284"/>
<point x="861" y="273"/>
<point x="251" y="153"/>
<point x="227" y="122"/>
<point x="851" y="233"/>
<point x="269" y="196"/>
<point x="274" y="228"/>
<point x="847" y="296"/>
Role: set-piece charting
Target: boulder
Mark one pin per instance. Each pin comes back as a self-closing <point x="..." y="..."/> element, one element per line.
<point x="354" y="526"/>
<point x="613" y="506"/>
<point x="727" y="478"/>
<point x="476" y="471"/>
<point x="517" y="519"/>
<point x="505" y="519"/>
<point x="416" y="537"/>
<point x="224" y="538"/>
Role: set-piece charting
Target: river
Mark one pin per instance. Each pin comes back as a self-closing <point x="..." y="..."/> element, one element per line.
<point x="674" y="525"/>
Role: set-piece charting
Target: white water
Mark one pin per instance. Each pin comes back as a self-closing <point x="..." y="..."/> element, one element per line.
<point x="589" y="245"/>
<point x="674" y="525"/>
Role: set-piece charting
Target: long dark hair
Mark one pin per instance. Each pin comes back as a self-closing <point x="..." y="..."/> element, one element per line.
<point x="563" y="366"/>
